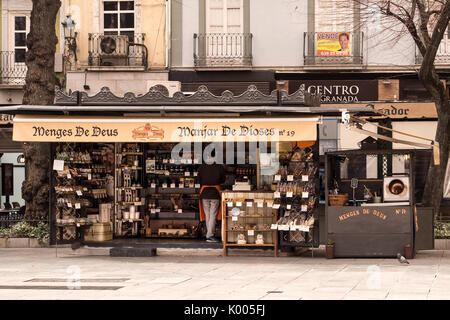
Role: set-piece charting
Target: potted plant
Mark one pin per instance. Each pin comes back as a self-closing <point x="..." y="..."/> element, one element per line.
<point x="408" y="252"/>
<point x="330" y="249"/>
<point x="23" y="235"/>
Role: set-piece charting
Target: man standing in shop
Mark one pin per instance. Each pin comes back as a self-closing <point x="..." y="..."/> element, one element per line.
<point x="211" y="176"/>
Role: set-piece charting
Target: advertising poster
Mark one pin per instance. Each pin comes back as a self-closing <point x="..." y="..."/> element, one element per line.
<point x="331" y="44"/>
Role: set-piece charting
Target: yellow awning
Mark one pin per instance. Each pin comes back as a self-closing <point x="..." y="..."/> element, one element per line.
<point x="143" y="129"/>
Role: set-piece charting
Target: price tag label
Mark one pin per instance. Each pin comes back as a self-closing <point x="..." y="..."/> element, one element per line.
<point x="292" y="227"/>
<point x="197" y="185"/>
<point x="191" y="185"/>
<point x="79" y="193"/>
<point x="288" y="207"/>
<point x="58" y="165"/>
<point x="152" y="210"/>
<point x="181" y="186"/>
<point x="133" y="168"/>
<point x="165" y="161"/>
<point x="166" y="172"/>
<point x="269" y="204"/>
<point x="249" y="204"/>
<point x="238" y="204"/>
<point x="183" y="161"/>
<point x="277" y="177"/>
<point x="277" y="195"/>
<point x="164" y="185"/>
<point x="289" y="194"/>
<point x="290" y="178"/>
<point x="89" y="176"/>
<point x="78" y="225"/>
<point x="305" y="178"/>
<point x="69" y="204"/>
<point x="158" y="210"/>
<point x="172" y="185"/>
<point x="234" y="218"/>
<point x="283" y="227"/>
<point x="251" y="232"/>
<point x="274" y="227"/>
<point x="153" y="185"/>
<point x="172" y="161"/>
<point x="276" y="206"/>
<point x="196" y="161"/>
<point x="195" y="173"/>
<point x="187" y="174"/>
<point x="69" y="176"/>
<point x="303" y="228"/>
<point x="304" y="208"/>
<point x="189" y="161"/>
<point x="230" y="203"/>
<point x="260" y="204"/>
<point x="180" y="210"/>
<point x="77" y="206"/>
<point x="305" y="194"/>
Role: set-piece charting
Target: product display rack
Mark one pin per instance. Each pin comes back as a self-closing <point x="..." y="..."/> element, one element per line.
<point x="128" y="218"/>
<point x="80" y="187"/>
<point x="248" y="220"/>
<point x="172" y="194"/>
<point x="296" y="195"/>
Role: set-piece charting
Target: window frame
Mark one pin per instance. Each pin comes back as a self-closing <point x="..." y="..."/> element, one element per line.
<point x="118" y="30"/>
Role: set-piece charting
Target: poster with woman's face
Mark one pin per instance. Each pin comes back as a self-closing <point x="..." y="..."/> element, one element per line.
<point x="331" y="44"/>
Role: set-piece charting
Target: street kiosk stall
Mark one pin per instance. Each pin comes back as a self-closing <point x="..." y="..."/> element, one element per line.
<point x="371" y="207"/>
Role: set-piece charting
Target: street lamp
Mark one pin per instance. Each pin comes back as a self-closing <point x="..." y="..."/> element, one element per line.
<point x="70" y="35"/>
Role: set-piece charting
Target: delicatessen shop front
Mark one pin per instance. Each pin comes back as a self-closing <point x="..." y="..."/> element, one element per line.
<point x="117" y="178"/>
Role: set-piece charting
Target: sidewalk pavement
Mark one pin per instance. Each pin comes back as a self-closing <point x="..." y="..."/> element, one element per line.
<point x="47" y="273"/>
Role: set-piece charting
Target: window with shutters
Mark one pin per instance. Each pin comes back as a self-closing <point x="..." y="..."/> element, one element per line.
<point x="224" y="42"/>
<point x="13" y="58"/>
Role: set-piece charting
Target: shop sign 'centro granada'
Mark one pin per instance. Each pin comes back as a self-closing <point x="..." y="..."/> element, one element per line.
<point x="132" y="129"/>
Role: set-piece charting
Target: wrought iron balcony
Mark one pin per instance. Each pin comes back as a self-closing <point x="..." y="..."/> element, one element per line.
<point x="117" y="50"/>
<point x="12" y="68"/>
<point x="324" y="48"/>
<point x="223" y="50"/>
<point x="443" y="53"/>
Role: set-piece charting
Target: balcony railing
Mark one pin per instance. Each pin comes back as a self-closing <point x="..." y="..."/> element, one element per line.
<point x="443" y="53"/>
<point x="13" y="72"/>
<point x="223" y="50"/>
<point x="117" y="50"/>
<point x="323" y="48"/>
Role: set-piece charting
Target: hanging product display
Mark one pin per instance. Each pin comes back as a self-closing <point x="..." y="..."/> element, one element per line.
<point x="295" y="194"/>
<point x="80" y="186"/>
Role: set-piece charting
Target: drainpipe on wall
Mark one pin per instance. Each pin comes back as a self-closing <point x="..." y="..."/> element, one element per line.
<point x="168" y="31"/>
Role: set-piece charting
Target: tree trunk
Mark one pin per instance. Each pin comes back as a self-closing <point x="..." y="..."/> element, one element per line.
<point x="434" y="185"/>
<point x="39" y="90"/>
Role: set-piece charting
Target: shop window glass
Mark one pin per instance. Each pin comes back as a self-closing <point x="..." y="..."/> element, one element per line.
<point x="111" y="21"/>
<point x="118" y="18"/>
<point x="110" y="5"/>
<point x="20" y="23"/>
<point x="127" y="5"/>
<point x="20" y="39"/>
<point x="20" y="55"/>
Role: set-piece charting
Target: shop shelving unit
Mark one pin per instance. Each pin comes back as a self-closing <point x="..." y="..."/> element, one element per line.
<point x="129" y="190"/>
<point x="164" y="220"/>
<point x="256" y="217"/>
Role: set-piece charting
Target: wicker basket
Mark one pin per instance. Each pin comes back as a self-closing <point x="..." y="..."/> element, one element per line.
<point x="338" y="199"/>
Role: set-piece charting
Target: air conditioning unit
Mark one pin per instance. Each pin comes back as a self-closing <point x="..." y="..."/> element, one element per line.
<point x="171" y="86"/>
<point x="396" y="188"/>
<point x="113" y="50"/>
